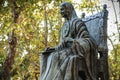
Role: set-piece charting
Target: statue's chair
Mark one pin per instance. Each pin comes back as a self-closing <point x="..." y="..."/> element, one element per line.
<point x="97" y="27"/>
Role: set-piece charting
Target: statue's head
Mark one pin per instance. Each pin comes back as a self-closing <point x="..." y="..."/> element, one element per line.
<point x="67" y="10"/>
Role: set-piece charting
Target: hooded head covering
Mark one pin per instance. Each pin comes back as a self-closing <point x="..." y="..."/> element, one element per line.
<point x="69" y="7"/>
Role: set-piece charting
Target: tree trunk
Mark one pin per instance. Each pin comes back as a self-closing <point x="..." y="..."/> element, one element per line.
<point x="45" y="25"/>
<point x="5" y="72"/>
<point x="9" y="61"/>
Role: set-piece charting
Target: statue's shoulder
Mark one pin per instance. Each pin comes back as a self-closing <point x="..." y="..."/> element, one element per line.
<point x="77" y="21"/>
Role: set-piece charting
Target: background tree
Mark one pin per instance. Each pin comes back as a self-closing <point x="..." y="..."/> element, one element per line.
<point x="114" y="63"/>
<point x="30" y="29"/>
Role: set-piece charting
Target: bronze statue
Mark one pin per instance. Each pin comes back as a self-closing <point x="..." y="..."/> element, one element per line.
<point x="75" y="57"/>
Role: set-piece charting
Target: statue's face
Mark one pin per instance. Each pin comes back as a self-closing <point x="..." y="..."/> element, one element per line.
<point x="63" y="11"/>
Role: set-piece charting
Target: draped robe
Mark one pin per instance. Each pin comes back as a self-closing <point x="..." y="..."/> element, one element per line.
<point x="66" y="62"/>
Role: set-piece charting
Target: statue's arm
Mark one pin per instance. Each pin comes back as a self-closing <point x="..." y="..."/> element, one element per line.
<point x="48" y="50"/>
<point x="81" y="41"/>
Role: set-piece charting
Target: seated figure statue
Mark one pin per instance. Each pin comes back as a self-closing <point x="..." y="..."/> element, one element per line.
<point x="75" y="57"/>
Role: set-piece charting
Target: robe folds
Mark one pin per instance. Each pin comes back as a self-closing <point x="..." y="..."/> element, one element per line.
<point x="70" y="59"/>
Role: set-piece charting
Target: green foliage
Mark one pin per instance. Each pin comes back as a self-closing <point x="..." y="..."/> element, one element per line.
<point x="30" y="33"/>
<point x="88" y="5"/>
<point x="114" y="64"/>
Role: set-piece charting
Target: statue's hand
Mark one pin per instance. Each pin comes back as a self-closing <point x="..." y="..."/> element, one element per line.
<point x="69" y="40"/>
<point x="46" y="49"/>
